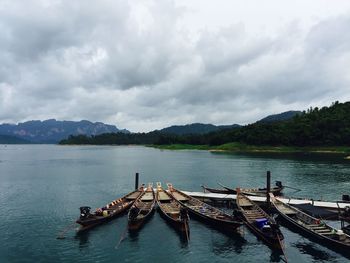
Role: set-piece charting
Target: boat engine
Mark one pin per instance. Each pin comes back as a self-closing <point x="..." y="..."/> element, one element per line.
<point x="346" y="198"/>
<point x="183" y="213"/>
<point x="346" y="213"/>
<point x="279" y="184"/>
<point x="134" y="212"/>
<point x="237" y="214"/>
<point x="84" y="212"/>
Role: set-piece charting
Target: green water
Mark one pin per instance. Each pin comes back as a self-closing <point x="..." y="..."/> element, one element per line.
<point x="42" y="187"/>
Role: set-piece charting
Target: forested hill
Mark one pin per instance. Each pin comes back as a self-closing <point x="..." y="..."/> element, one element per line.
<point x="281" y="116"/>
<point x="196" y="128"/>
<point x="328" y="126"/>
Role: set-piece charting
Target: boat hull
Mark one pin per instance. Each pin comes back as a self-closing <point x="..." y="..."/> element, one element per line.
<point x="179" y="225"/>
<point x="145" y="206"/>
<point x="226" y="226"/>
<point x="331" y="244"/>
<point x="250" y="213"/>
<point x="256" y="192"/>
<point x="135" y="225"/>
<point x="93" y="220"/>
<point x="93" y="223"/>
<point x="271" y="242"/>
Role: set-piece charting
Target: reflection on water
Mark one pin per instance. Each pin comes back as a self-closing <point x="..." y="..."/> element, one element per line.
<point x="133" y="235"/>
<point x="183" y="239"/>
<point x="225" y="244"/>
<point x="276" y="256"/>
<point x="83" y="239"/>
<point x="316" y="253"/>
<point x="42" y="187"/>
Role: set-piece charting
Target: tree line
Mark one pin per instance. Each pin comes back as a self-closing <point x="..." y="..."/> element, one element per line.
<point x="327" y="126"/>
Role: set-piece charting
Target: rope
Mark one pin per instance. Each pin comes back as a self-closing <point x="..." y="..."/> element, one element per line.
<point x="64" y="230"/>
<point x="122" y="237"/>
<point x="187" y="236"/>
<point x="283" y="249"/>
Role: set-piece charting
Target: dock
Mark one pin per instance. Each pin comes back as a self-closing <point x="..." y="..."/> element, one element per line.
<point x="332" y="206"/>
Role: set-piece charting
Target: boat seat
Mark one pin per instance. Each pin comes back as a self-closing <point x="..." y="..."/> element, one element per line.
<point x="147" y="197"/>
<point x="163" y="196"/>
<point x="180" y="197"/>
<point x="321" y="231"/>
<point x="133" y="196"/>
<point x="244" y="203"/>
<point x="318" y="228"/>
<point x="327" y="233"/>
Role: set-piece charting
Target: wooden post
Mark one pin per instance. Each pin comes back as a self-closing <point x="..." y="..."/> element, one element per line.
<point x="136" y="181"/>
<point x="268" y="189"/>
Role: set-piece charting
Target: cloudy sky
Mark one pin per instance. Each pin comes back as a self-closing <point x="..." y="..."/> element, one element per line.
<point x="144" y="65"/>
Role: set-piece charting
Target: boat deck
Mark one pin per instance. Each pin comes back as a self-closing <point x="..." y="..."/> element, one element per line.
<point x="147" y="196"/>
<point x="179" y="197"/>
<point x="163" y="196"/>
<point x="133" y="196"/>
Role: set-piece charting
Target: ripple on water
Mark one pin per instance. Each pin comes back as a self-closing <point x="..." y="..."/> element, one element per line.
<point x="42" y="188"/>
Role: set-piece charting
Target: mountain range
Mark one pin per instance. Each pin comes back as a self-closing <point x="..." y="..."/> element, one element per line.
<point x="52" y="131"/>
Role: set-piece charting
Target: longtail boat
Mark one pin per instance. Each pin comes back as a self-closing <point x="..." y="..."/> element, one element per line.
<point x="205" y="212"/>
<point x="218" y="191"/>
<point x="247" y="191"/>
<point x="312" y="227"/>
<point x="142" y="209"/>
<point x="172" y="211"/>
<point x="259" y="222"/>
<point x="116" y="207"/>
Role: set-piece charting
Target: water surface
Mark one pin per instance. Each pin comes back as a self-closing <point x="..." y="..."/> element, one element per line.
<point x="42" y="187"/>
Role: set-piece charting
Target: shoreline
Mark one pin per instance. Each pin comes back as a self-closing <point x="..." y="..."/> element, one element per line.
<point x="241" y="148"/>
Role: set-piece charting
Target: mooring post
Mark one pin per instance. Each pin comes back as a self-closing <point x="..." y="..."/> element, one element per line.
<point x="268" y="188"/>
<point x="136" y="181"/>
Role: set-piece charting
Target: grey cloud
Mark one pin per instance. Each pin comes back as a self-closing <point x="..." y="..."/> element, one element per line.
<point x="130" y="63"/>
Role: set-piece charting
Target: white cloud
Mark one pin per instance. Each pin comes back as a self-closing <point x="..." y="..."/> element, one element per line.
<point x="144" y="65"/>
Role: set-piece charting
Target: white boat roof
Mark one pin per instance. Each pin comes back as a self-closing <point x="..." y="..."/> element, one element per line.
<point x="324" y="204"/>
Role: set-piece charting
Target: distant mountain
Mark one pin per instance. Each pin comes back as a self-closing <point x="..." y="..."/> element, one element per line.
<point x="7" y="139"/>
<point x="196" y="128"/>
<point x="280" y="117"/>
<point x="52" y="131"/>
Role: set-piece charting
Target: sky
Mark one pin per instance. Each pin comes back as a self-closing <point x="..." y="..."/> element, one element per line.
<point x="146" y="65"/>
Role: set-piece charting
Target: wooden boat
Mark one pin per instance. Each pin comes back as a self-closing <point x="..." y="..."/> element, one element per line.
<point x="142" y="209"/>
<point x="172" y="211"/>
<point x="312" y="227"/>
<point x="259" y="222"/>
<point x="106" y="213"/>
<point x="247" y="191"/>
<point x="205" y="212"/>
<point x="218" y="191"/>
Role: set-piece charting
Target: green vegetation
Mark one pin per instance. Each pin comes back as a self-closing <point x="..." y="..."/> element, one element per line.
<point x="316" y="130"/>
<point x="238" y="147"/>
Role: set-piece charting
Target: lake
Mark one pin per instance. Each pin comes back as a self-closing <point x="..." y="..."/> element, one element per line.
<point x="43" y="186"/>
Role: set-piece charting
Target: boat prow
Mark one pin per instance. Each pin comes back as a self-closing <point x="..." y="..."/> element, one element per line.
<point x="142" y="209"/>
<point x="172" y="211"/>
<point x="113" y="209"/>
<point x="205" y="212"/>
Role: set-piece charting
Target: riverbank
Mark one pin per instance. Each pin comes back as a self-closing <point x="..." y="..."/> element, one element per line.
<point x="239" y="147"/>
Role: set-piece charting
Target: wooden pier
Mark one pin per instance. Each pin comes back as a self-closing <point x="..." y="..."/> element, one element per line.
<point x="213" y="197"/>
